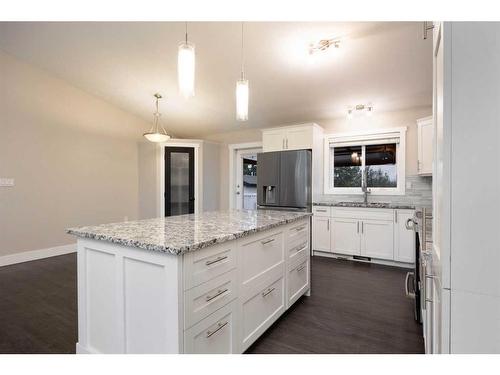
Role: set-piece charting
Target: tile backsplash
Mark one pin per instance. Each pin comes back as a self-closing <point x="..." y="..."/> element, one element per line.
<point x="418" y="195"/>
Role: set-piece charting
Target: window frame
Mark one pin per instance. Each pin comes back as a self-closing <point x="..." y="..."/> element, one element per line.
<point x="364" y="138"/>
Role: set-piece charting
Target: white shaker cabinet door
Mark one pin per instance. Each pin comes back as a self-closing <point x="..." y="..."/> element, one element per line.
<point x="321" y="233"/>
<point x="273" y="140"/>
<point x="404" y="239"/>
<point x="299" y="138"/>
<point x="377" y="239"/>
<point x="345" y="236"/>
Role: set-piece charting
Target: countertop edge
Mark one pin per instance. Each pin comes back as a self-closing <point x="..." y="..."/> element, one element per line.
<point x="184" y="249"/>
<point x="388" y="207"/>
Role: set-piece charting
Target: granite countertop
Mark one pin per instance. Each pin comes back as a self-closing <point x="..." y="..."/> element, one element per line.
<point x="180" y="234"/>
<point x="399" y="206"/>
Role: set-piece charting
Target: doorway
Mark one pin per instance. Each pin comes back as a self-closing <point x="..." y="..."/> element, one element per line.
<point x="179" y="181"/>
<point x="244" y="177"/>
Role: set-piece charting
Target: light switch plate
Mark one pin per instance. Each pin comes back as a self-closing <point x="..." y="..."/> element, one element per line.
<point x="6" y="182"/>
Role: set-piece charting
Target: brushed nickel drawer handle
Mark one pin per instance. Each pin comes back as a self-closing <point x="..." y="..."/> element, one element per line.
<point x="210" y="262"/>
<point x="320" y="210"/>
<point x="219" y="327"/>
<point x="299" y="229"/>
<point x="301" y="267"/>
<point x="268" y="241"/>
<point x="268" y="292"/>
<point x="219" y="293"/>
<point x="300" y="247"/>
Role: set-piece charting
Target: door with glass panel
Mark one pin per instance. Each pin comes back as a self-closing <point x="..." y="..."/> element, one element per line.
<point x="179" y="181"/>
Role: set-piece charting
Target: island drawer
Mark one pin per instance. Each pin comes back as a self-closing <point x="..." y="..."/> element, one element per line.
<point x="203" y="300"/>
<point x="203" y="265"/>
<point x="299" y="250"/>
<point x="298" y="279"/>
<point x="297" y="234"/>
<point x="262" y="309"/>
<point x="216" y="334"/>
<point x="261" y="255"/>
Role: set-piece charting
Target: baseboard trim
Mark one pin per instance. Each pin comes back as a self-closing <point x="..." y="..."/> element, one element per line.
<point x="375" y="261"/>
<point x="27" y="256"/>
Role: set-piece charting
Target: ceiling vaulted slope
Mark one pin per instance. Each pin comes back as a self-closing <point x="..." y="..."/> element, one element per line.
<point x="387" y="64"/>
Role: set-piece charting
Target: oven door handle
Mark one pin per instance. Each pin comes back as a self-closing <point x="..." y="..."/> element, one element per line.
<point x="407" y="285"/>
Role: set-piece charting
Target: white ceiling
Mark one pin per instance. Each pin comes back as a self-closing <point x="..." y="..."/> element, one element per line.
<point x="387" y="64"/>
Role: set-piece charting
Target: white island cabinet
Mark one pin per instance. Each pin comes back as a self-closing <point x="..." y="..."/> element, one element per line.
<point x="206" y="283"/>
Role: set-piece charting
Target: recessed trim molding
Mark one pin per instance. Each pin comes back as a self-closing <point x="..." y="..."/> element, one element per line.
<point x="27" y="256"/>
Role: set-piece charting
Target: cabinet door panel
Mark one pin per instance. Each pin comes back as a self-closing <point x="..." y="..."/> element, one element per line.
<point x="425" y="149"/>
<point x="404" y="239"/>
<point x="299" y="138"/>
<point x="345" y="236"/>
<point x="321" y="233"/>
<point x="273" y="140"/>
<point x="377" y="239"/>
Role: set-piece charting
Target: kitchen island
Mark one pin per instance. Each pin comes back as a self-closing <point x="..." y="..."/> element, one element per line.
<point x="205" y="283"/>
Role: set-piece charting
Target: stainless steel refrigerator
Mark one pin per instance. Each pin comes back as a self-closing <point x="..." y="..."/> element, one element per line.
<point x="284" y="179"/>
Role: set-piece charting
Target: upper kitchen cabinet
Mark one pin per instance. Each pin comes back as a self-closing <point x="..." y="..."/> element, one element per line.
<point x="296" y="137"/>
<point x="425" y="147"/>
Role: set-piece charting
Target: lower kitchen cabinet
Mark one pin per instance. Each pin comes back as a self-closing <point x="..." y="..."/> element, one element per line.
<point x="345" y="236"/>
<point x="404" y="239"/>
<point x="377" y="239"/>
<point x="321" y="233"/>
<point x="369" y="232"/>
<point x="216" y="334"/>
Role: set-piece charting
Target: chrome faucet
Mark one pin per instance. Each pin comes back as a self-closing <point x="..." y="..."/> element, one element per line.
<point x="364" y="187"/>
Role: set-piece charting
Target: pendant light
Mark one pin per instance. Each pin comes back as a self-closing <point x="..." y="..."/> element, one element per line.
<point x="157" y="132"/>
<point x="185" y="67"/>
<point x="242" y="90"/>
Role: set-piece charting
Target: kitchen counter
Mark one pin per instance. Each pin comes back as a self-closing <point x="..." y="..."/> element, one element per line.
<point x="142" y="287"/>
<point x="180" y="234"/>
<point x="394" y="206"/>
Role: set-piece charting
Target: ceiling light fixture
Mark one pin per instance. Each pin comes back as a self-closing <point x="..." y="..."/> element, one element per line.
<point x="186" y="67"/>
<point x="323" y="45"/>
<point x="242" y="90"/>
<point x="156" y="134"/>
<point x="366" y="108"/>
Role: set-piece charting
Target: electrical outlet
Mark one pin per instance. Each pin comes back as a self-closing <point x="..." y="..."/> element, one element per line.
<point x="6" y="182"/>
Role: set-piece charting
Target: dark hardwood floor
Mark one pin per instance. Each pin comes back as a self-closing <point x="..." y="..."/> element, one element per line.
<point x="354" y="308"/>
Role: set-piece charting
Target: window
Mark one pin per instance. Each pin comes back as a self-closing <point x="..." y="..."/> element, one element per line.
<point x="378" y="157"/>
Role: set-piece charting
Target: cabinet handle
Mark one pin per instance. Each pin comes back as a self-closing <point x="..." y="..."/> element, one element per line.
<point x="301" y="267"/>
<point x="268" y="292"/>
<point x="328" y="224"/>
<point x="219" y="293"/>
<point x="268" y="241"/>
<point x="210" y="262"/>
<point x="357" y="228"/>
<point x="407" y="287"/>
<point x="219" y="327"/>
<point x="283" y="143"/>
<point x="395" y="216"/>
<point x="299" y="229"/>
<point x="362" y="227"/>
<point x="300" y="247"/>
<point x="320" y="210"/>
<point x="287" y="143"/>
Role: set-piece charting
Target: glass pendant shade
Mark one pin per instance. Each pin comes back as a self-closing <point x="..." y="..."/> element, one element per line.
<point x="186" y="69"/>
<point x="242" y="100"/>
<point x="157" y="132"/>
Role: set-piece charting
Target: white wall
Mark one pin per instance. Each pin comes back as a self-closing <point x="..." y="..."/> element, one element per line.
<point x="377" y="121"/>
<point x="73" y="158"/>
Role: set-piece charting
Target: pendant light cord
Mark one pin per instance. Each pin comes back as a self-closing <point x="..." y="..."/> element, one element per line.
<point x="242" y="61"/>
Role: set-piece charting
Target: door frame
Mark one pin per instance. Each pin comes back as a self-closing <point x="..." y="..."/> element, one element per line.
<point x="190" y="152"/>
<point x="233" y="151"/>
<point x="161" y="173"/>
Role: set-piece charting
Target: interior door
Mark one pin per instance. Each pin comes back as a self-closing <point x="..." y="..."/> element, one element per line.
<point x="179" y="181"/>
